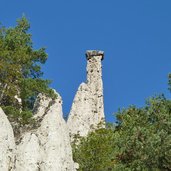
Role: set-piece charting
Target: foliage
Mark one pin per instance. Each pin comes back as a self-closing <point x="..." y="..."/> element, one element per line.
<point x="145" y="136"/>
<point x="20" y="70"/>
<point x="95" y="151"/>
<point x="22" y="117"/>
<point x="140" y="141"/>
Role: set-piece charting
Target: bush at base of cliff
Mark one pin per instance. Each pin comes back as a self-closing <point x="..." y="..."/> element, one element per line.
<point x="140" y="141"/>
<point x="95" y="152"/>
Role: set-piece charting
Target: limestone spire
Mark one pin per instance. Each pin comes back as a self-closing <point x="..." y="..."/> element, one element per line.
<point x="94" y="80"/>
<point x="87" y="110"/>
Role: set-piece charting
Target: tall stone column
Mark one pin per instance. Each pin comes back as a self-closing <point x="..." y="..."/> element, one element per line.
<point x="94" y="81"/>
<point x="87" y="110"/>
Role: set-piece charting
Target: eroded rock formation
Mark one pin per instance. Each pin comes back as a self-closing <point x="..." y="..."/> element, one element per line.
<point x="87" y="110"/>
<point x="7" y="143"/>
<point x="47" y="146"/>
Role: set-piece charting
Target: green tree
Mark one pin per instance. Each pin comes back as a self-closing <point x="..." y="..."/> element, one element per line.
<point x="20" y="70"/>
<point x="145" y="136"/>
<point x="95" y="152"/>
<point x="140" y="141"/>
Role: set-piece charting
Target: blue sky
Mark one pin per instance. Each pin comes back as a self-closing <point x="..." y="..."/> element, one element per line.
<point x="135" y="35"/>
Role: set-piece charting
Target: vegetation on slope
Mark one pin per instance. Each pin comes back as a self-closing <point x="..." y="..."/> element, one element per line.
<point x="141" y="140"/>
<point x="20" y="70"/>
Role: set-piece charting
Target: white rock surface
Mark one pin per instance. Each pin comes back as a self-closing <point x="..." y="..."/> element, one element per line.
<point x="47" y="148"/>
<point x="28" y="155"/>
<point x="80" y="118"/>
<point x="40" y="105"/>
<point x="87" y="110"/>
<point x="7" y="143"/>
<point x="54" y="139"/>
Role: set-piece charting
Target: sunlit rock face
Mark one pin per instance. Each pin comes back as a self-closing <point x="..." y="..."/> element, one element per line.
<point x="7" y="143"/>
<point x="54" y="138"/>
<point x="45" y="147"/>
<point x="87" y="110"/>
<point x="41" y="105"/>
<point x="48" y="147"/>
<point x="28" y="156"/>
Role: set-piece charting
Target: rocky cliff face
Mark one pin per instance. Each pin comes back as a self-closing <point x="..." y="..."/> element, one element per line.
<point x="7" y="143"/>
<point x="87" y="110"/>
<point x="47" y="146"/>
<point x="44" y="148"/>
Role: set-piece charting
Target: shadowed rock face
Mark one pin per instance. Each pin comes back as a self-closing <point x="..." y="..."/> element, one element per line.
<point x="87" y="110"/>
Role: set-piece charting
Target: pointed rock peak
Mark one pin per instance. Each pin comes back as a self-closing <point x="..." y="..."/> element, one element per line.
<point x="48" y="147"/>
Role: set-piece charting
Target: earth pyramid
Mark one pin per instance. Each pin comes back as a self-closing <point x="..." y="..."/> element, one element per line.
<point x="87" y="110"/>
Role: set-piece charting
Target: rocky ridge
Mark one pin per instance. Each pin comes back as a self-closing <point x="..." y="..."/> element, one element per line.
<point x="48" y="145"/>
<point x="45" y="148"/>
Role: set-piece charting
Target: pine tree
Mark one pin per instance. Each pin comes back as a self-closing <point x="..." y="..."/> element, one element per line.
<point x="20" y="70"/>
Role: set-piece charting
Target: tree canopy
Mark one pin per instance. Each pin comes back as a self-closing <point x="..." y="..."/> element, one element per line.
<point x="20" y="70"/>
<point x="140" y="141"/>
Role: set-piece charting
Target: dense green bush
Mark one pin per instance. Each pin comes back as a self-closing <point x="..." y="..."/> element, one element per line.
<point x="140" y="141"/>
<point x="95" y="152"/>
